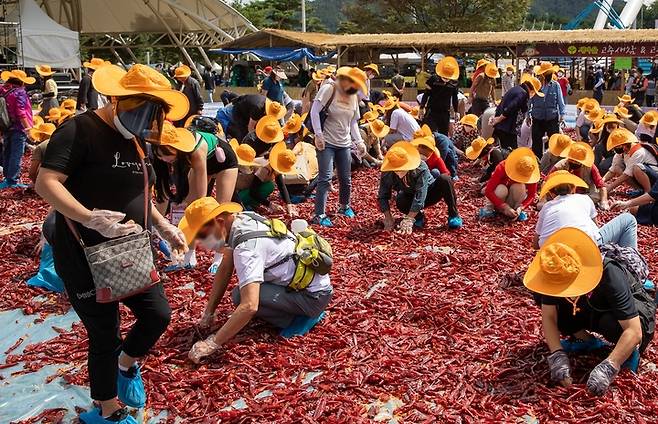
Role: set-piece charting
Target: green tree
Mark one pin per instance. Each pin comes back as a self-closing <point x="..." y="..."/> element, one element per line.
<point x="279" y="14"/>
<point x="380" y="16"/>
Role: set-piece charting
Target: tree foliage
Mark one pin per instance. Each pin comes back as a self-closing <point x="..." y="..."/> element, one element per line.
<point x="379" y="16"/>
<point x="279" y="14"/>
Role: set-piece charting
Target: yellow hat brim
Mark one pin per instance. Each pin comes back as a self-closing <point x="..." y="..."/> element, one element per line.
<point x="383" y="132"/>
<point x="344" y="71"/>
<point x="190" y="230"/>
<point x="260" y="126"/>
<point x="588" y="162"/>
<point x="44" y="73"/>
<point x="274" y="163"/>
<point x="270" y="112"/>
<point x="427" y="142"/>
<point x="242" y="162"/>
<point x="106" y="81"/>
<point x="412" y="154"/>
<point x="590" y="273"/>
<point x="5" y="75"/>
<point x="558" y="180"/>
<point x="513" y="159"/>
<point x="553" y="146"/>
<point x="184" y="142"/>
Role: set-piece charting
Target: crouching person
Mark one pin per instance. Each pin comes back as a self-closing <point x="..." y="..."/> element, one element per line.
<point x="404" y="172"/>
<point x="581" y="291"/>
<point x="272" y="284"/>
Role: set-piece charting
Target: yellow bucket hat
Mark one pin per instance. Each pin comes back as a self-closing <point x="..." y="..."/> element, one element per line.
<point x="424" y="131"/>
<point x="482" y="62"/>
<point x="558" y="142"/>
<point x="373" y="67"/>
<point x="610" y="118"/>
<point x="559" y="178"/>
<point x="54" y="113"/>
<point x="581" y="102"/>
<point x="244" y="152"/>
<point x="275" y="109"/>
<point x="69" y="104"/>
<point x="268" y="130"/>
<point x="580" y="152"/>
<point x="427" y="142"/>
<point x="402" y="156"/>
<point x="626" y="99"/>
<point x="357" y="76"/>
<point x="200" y="212"/>
<point x="64" y="115"/>
<point x="293" y="125"/>
<point x="42" y="131"/>
<point x="182" y="71"/>
<point x="650" y="118"/>
<point x="95" y="63"/>
<point x="379" y="128"/>
<point x="44" y="70"/>
<point x="283" y="160"/>
<point x="491" y="70"/>
<point x="534" y="82"/>
<point x="621" y="112"/>
<point x="544" y="67"/>
<point x="180" y="139"/>
<point x="448" y="68"/>
<point x="594" y="114"/>
<point x="19" y="75"/>
<point x="37" y="120"/>
<point x="569" y="264"/>
<point x="477" y="146"/>
<point x="470" y="119"/>
<point x="597" y="126"/>
<point x="521" y="166"/>
<point x="590" y="105"/>
<point x="113" y="81"/>
<point x="369" y="116"/>
<point x="619" y="137"/>
<point x="390" y="103"/>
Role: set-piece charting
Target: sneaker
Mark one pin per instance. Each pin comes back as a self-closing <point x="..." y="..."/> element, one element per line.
<point x="455" y="178"/>
<point x="178" y="267"/>
<point x="633" y="361"/>
<point x="17" y="185"/>
<point x="635" y="193"/>
<point x="296" y="199"/>
<point x="94" y="417"/>
<point x="130" y="388"/>
<point x="522" y="217"/>
<point x="323" y="221"/>
<point x="419" y="222"/>
<point x="301" y="325"/>
<point x="347" y="211"/>
<point x="577" y="345"/>
<point x="649" y="285"/>
<point x="455" y="222"/>
<point x="486" y="213"/>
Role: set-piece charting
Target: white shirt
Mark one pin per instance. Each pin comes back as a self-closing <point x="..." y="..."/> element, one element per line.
<point x="252" y="257"/>
<point x="573" y="210"/>
<point x="342" y="111"/>
<point x="624" y="163"/>
<point x="580" y="121"/>
<point x="404" y="124"/>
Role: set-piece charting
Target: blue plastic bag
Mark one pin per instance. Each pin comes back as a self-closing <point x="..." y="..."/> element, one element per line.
<point x="47" y="278"/>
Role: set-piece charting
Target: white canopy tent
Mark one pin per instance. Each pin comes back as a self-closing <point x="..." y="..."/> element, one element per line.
<point x="44" y="41"/>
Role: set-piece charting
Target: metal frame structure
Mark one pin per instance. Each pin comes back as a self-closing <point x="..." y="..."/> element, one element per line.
<point x="205" y="14"/>
<point x="10" y="35"/>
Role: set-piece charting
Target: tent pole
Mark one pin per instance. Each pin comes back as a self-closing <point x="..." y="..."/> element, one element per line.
<point x="338" y="57"/>
<point x="205" y="56"/>
<point x="116" y="54"/>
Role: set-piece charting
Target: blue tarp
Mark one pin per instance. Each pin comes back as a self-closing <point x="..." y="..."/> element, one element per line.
<point x="279" y="54"/>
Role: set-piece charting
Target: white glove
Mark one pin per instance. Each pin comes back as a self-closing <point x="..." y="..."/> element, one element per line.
<point x="202" y="348"/>
<point x="319" y="142"/>
<point x="175" y="237"/>
<point x="406" y="226"/>
<point x="108" y="224"/>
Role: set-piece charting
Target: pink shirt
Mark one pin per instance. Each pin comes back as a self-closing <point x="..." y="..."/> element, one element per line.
<point x="18" y="106"/>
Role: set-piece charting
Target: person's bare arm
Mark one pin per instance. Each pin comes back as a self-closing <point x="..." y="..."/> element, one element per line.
<point x="220" y="282"/>
<point x="34" y="170"/>
<point x="249" y="299"/>
<point x="198" y="176"/>
<point x="617" y="182"/>
<point x="630" y="338"/>
<point x="549" y="327"/>
<point x="50" y="186"/>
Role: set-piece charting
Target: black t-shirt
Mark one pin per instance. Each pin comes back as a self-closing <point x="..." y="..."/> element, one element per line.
<point x="248" y="106"/>
<point x="259" y="146"/>
<point x="103" y="169"/>
<point x="612" y="295"/>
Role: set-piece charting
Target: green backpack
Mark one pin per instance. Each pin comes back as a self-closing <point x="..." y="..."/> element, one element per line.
<point x="312" y="254"/>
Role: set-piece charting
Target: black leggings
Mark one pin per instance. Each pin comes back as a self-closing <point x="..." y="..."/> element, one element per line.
<point x="506" y="140"/>
<point x="539" y="128"/>
<point x="102" y="321"/>
<point x="441" y="189"/>
<point x="438" y="121"/>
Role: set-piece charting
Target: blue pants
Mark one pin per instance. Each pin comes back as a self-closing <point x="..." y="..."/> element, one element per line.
<point x="621" y="230"/>
<point x="12" y="153"/>
<point x="448" y="153"/>
<point x="341" y="156"/>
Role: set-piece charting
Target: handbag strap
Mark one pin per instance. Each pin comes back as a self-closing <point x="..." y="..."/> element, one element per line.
<point x="325" y="109"/>
<point x="141" y="155"/>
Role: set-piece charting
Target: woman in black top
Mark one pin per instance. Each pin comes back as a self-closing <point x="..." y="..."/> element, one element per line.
<point x="91" y="173"/>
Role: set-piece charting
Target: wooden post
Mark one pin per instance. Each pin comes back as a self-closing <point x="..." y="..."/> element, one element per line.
<point x="423" y="58"/>
<point x="338" y="54"/>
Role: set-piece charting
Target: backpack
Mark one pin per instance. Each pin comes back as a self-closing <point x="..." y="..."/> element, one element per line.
<point x="5" y="119"/>
<point x="629" y="258"/>
<point x="313" y="254"/>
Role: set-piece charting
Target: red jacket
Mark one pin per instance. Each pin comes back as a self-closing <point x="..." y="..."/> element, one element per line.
<point x="435" y="162"/>
<point x="499" y="177"/>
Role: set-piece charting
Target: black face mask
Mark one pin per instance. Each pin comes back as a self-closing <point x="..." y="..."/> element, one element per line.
<point x="574" y="166"/>
<point x="351" y="91"/>
<point x="141" y="117"/>
<point x="619" y="150"/>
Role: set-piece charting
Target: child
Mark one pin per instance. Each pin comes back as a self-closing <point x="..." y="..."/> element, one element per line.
<point x="430" y="154"/>
<point x="466" y="130"/>
<point x="556" y="145"/>
<point x="445" y="146"/>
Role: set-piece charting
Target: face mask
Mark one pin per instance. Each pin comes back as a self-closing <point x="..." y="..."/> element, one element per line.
<point x="140" y="117"/>
<point x="351" y="91"/>
<point x="123" y="130"/>
<point x="619" y="150"/>
<point x="211" y="242"/>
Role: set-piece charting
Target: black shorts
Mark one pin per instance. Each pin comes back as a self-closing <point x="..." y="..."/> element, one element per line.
<point x="213" y="166"/>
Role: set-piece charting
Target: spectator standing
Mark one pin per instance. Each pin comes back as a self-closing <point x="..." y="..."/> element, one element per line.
<point x="639" y="87"/>
<point x="508" y="80"/>
<point x="599" y="82"/>
<point x="192" y="90"/>
<point x="87" y="95"/>
<point x="651" y="91"/>
<point x="272" y="85"/>
<point x="208" y="83"/>
<point x="398" y="84"/>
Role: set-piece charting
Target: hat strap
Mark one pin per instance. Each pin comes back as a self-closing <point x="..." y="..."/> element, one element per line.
<point x="574" y="305"/>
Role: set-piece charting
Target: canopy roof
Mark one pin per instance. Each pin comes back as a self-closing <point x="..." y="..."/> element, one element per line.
<point x="444" y="41"/>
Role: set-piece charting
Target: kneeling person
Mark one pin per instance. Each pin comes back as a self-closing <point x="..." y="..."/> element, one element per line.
<point x="581" y="292"/>
<point x="265" y="267"/>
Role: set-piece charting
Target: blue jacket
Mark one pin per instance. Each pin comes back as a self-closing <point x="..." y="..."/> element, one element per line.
<point x="416" y="183"/>
<point x="551" y="106"/>
<point x="514" y="101"/>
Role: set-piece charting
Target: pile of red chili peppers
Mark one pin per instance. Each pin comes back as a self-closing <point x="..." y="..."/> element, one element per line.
<point x="437" y="319"/>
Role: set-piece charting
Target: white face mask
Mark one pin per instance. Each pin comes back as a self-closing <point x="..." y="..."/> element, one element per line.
<point x="211" y="242"/>
<point x="123" y="130"/>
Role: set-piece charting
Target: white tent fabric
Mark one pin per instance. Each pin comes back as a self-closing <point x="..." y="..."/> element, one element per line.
<point x="44" y="41"/>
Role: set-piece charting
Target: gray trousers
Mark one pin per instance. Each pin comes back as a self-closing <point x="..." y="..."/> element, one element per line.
<point x="278" y="306"/>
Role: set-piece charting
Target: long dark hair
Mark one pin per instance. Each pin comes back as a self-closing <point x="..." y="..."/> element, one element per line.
<point x="164" y="180"/>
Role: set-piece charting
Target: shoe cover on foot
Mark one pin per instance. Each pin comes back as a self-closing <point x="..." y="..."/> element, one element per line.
<point x="130" y="388"/>
<point x="300" y="326"/>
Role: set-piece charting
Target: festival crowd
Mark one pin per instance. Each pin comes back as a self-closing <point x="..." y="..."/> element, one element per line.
<point x="134" y="171"/>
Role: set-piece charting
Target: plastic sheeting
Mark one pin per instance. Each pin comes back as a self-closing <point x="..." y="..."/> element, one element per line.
<point x="279" y="54"/>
